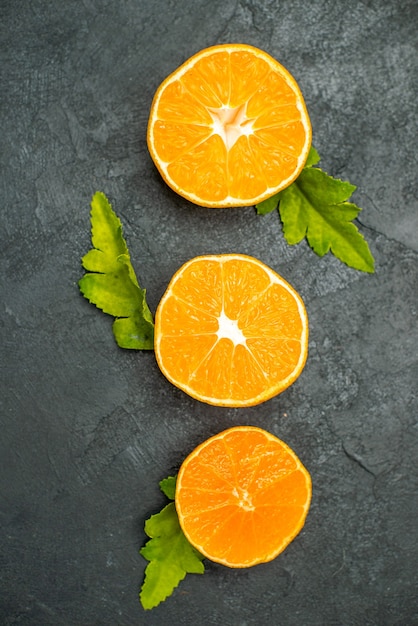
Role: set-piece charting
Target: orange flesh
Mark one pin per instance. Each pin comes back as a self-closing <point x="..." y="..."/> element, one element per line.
<point x="230" y="331"/>
<point x="228" y="127"/>
<point x="242" y="496"/>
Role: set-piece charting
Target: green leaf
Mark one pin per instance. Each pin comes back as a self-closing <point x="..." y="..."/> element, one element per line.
<point x="315" y="206"/>
<point x="170" y="557"/>
<point x="110" y="282"/>
<point x="267" y="206"/>
<point x="168" y="486"/>
<point x="313" y="157"/>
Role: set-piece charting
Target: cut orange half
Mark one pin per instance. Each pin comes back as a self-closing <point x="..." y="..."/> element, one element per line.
<point x="229" y="127"/>
<point x="230" y="331"/>
<point x="242" y="496"/>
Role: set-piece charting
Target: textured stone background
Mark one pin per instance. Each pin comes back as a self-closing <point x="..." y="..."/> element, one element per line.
<point x="88" y="430"/>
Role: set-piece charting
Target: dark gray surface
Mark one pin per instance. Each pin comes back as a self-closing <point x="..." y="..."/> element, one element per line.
<point x="88" y="429"/>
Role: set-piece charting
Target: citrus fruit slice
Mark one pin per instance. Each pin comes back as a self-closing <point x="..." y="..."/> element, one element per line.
<point x="229" y="127"/>
<point x="242" y="496"/>
<point x="230" y="331"/>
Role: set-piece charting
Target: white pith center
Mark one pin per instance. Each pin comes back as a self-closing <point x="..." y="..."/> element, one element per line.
<point x="229" y="329"/>
<point x="244" y="500"/>
<point x="230" y="123"/>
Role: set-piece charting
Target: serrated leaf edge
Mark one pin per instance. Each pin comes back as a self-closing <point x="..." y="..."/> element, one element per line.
<point x="178" y="538"/>
<point x="347" y="221"/>
<point x="314" y="155"/>
<point x="124" y="259"/>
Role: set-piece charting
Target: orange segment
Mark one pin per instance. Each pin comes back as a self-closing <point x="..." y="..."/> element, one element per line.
<point x="271" y="158"/>
<point x="229" y="331"/>
<point x="244" y="169"/>
<point x="207" y="78"/>
<point x="274" y="93"/>
<point x="174" y="139"/>
<point x="212" y="181"/>
<point x="247" y="70"/>
<point x="242" y="496"/>
<point x="229" y="127"/>
<point x="179" y="105"/>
